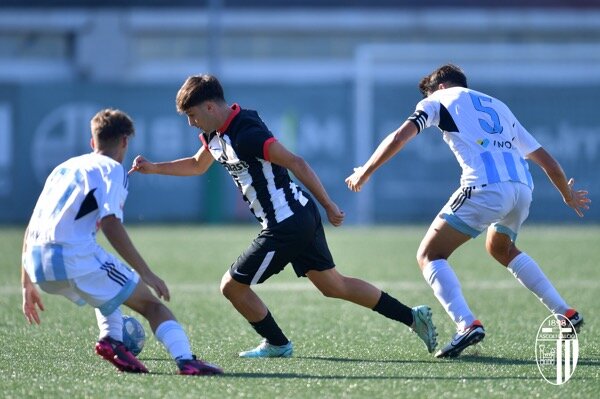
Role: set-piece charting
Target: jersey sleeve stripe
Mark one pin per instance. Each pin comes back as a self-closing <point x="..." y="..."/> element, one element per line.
<point x="266" y="145"/>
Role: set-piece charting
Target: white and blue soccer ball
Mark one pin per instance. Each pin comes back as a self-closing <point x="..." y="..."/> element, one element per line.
<point x="134" y="335"/>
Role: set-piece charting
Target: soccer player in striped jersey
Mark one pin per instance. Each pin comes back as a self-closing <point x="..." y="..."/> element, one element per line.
<point x="61" y="255"/>
<point x="292" y="231"/>
<point x="495" y="193"/>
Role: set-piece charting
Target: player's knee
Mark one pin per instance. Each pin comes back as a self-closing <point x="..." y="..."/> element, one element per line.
<point x="229" y="287"/>
<point x="500" y="252"/>
<point x="333" y="290"/>
<point x="496" y="250"/>
<point x="226" y="285"/>
<point x="423" y="258"/>
<point x="330" y="292"/>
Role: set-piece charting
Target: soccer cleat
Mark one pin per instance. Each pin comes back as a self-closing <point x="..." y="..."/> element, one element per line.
<point x="115" y="352"/>
<point x="462" y="339"/>
<point x="575" y="319"/>
<point x="265" y="349"/>
<point x="423" y="326"/>
<point x="194" y="366"/>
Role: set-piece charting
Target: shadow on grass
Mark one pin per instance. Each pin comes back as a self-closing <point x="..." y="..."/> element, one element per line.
<point x="463" y="359"/>
<point x="460" y="359"/>
<point x="375" y="377"/>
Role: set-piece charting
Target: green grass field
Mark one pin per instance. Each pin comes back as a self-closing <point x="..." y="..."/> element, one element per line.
<point x="341" y="350"/>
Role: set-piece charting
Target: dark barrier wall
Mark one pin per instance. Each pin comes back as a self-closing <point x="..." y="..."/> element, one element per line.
<point x="41" y="125"/>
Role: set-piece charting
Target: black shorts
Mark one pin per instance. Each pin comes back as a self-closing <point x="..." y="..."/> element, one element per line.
<point x="299" y="240"/>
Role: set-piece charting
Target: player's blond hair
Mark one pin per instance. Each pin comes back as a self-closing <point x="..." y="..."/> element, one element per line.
<point x="109" y="125"/>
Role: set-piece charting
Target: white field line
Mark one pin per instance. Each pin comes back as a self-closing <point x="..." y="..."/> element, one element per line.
<point x="304" y="285"/>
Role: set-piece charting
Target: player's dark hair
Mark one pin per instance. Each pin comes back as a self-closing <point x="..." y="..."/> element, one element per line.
<point x="197" y="89"/>
<point x="109" y="125"/>
<point x="450" y="74"/>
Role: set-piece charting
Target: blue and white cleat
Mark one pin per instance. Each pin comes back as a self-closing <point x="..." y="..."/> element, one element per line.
<point x="265" y="349"/>
<point x="463" y="339"/>
<point x="423" y="326"/>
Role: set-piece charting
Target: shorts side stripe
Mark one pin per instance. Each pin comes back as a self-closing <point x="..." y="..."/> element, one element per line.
<point x="113" y="274"/>
<point x="110" y="306"/>
<point x="263" y="266"/>
<point x="461" y="198"/>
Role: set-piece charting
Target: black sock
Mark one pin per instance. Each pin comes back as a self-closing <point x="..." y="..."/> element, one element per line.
<point x="268" y="328"/>
<point x="394" y="309"/>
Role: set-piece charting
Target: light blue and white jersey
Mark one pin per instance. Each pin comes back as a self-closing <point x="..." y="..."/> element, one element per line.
<point x="487" y="139"/>
<point x="62" y="229"/>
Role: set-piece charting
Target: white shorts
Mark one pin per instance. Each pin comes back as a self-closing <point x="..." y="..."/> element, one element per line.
<point x="504" y="206"/>
<point x="106" y="288"/>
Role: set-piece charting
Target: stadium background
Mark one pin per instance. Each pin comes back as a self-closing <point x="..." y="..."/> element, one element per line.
<point x="330" y="78"/>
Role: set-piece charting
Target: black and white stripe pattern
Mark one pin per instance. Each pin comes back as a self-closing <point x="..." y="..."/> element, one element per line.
<point x="114" y="274"/>
<point x="419" y="118"/>
<point x="460" y="199"/>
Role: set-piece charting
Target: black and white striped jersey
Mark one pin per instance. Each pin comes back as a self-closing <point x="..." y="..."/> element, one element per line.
<point x="240" y="145"/>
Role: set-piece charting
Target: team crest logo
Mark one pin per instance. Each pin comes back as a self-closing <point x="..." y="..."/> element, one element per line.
<point x="556" y="349"/>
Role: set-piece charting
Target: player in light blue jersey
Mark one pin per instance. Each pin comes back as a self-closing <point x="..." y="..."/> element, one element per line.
<point x="61" y="255"/>
<point x="495" y="193"/>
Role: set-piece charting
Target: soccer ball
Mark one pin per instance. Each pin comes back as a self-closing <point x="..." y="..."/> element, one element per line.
<point x="134" y="336"/>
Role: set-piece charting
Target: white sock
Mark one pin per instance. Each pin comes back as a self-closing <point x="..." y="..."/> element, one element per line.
<point x="447" y="290"/>
<point x="111" y="325"/>
<point x="172" y="336"/>
<point x="524" y="268"/>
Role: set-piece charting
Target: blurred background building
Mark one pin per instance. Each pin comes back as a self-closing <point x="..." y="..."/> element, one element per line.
<point x="330" y="78"/>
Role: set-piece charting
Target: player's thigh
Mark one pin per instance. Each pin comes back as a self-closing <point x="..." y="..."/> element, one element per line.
<point x="326" y="280"/>
<point x="140" y="298"/>
<point x="440" y="241"/>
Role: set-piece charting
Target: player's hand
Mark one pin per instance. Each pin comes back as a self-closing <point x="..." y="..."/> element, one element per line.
<point x="579" y="200"/>
<point x="357" y="179"/>
<point x="335" y="215"/>
<point x="158" y="285"/>
<point x="142" y="165"/>
<point x="31" y="299"/>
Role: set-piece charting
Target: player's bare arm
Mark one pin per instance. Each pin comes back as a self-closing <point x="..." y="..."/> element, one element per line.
<point x="279" y="155"/>
<point x="575" y="199"/>
<point x="117" y="236"/>
<point x="31" y="296"/>
<point x="190" y="166"/>
<point x="393" y="143"/>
